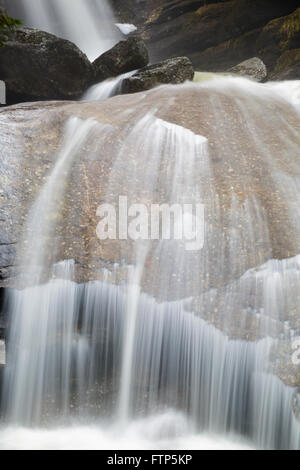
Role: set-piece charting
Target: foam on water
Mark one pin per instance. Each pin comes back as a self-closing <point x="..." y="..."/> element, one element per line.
<point x="168" y="430"/>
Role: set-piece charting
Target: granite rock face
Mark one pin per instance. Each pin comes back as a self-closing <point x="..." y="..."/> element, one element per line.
<point x="215" y="35"/>
<point x="36" y="65"/>
<point x="32" y="137"/>
<point x="126" y="56"/>
<point x="253" y="68"/>
<point x="174" y="71"/>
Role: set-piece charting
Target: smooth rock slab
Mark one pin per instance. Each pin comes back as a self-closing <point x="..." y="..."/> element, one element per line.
<point x="250" y="212"/>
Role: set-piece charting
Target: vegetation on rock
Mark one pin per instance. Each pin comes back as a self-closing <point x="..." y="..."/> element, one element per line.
<point x="7" y="24"/>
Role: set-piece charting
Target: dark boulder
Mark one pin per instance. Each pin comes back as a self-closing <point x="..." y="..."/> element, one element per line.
<point x="124" y="57"/>
<point x="40" y="66"/>
<point x="252" y="68"/>
<point x="174" y="71"/>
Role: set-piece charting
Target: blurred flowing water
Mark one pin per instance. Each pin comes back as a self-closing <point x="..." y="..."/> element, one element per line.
<point x="89" y="23"/>
<point x="161" y="355"/>
<point x="106" y="89"/>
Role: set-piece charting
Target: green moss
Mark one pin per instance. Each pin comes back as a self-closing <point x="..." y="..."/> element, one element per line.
<point x="245" y="40"/>
<point x="287" y="59"/>
<point x="7" y="24"/>
<point x="191" y="19"/>
<point x="291" y="25"/>
<point x="155" y="14"/>
<point x="285" y="30"/>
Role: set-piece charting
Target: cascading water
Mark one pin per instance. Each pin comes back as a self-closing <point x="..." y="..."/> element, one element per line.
<point x="94" y="32"/>
<point x="106" y="89"/>
<point x="171" y="346"/>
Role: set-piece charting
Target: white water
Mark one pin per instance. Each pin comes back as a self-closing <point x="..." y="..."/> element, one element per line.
<point x="168" y="430"/>
<point x="88" y="23"/>
<point x="106" y="89"/>
<point x="130" y="325"/>
<point x="219" y="385"/>
<point x="2" y="353"/>
<point x="84" y="355"/>
<point x="126" y="28"/>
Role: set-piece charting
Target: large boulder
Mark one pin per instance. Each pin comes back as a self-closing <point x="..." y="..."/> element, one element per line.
<point x="40" y="66"/>
<point x="124" y="57"/>
<point x="173" y="71"/>
<point x="252" y="68"/>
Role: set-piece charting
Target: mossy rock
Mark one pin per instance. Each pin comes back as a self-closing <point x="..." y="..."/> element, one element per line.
<point x="228" y="53"/>
<point x="290" y="30"/>
<point x="288" y="66"/>
<point x="288" y="59"/>
<point x="279" y="36"/>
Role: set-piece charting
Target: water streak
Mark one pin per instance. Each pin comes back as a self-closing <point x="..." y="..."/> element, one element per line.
<point x="106" y="89"/>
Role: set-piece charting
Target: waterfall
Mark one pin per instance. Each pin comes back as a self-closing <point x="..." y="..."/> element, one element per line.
<point x="72" y="366"/>
<point x="39" y="240"/>
<point x="106" y="89"/>
<point x="172" y="345"/>
<point x="87" y="23"/>
<point x="39" y="235"/>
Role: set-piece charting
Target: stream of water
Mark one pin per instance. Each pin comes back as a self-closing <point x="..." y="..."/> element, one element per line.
<point x="177" y="354"/>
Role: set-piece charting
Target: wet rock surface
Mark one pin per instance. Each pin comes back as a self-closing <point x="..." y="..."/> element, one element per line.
<point x="296" y="404"/>
<point x="174" y="71"/>
<point x="253" y="68"/>
<point x="282" y="365"/>
<point x="126" y="56"/>
<point x="238" y="171"/>
<point x="249" y="209"/>
<point x="36" y="65"/>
